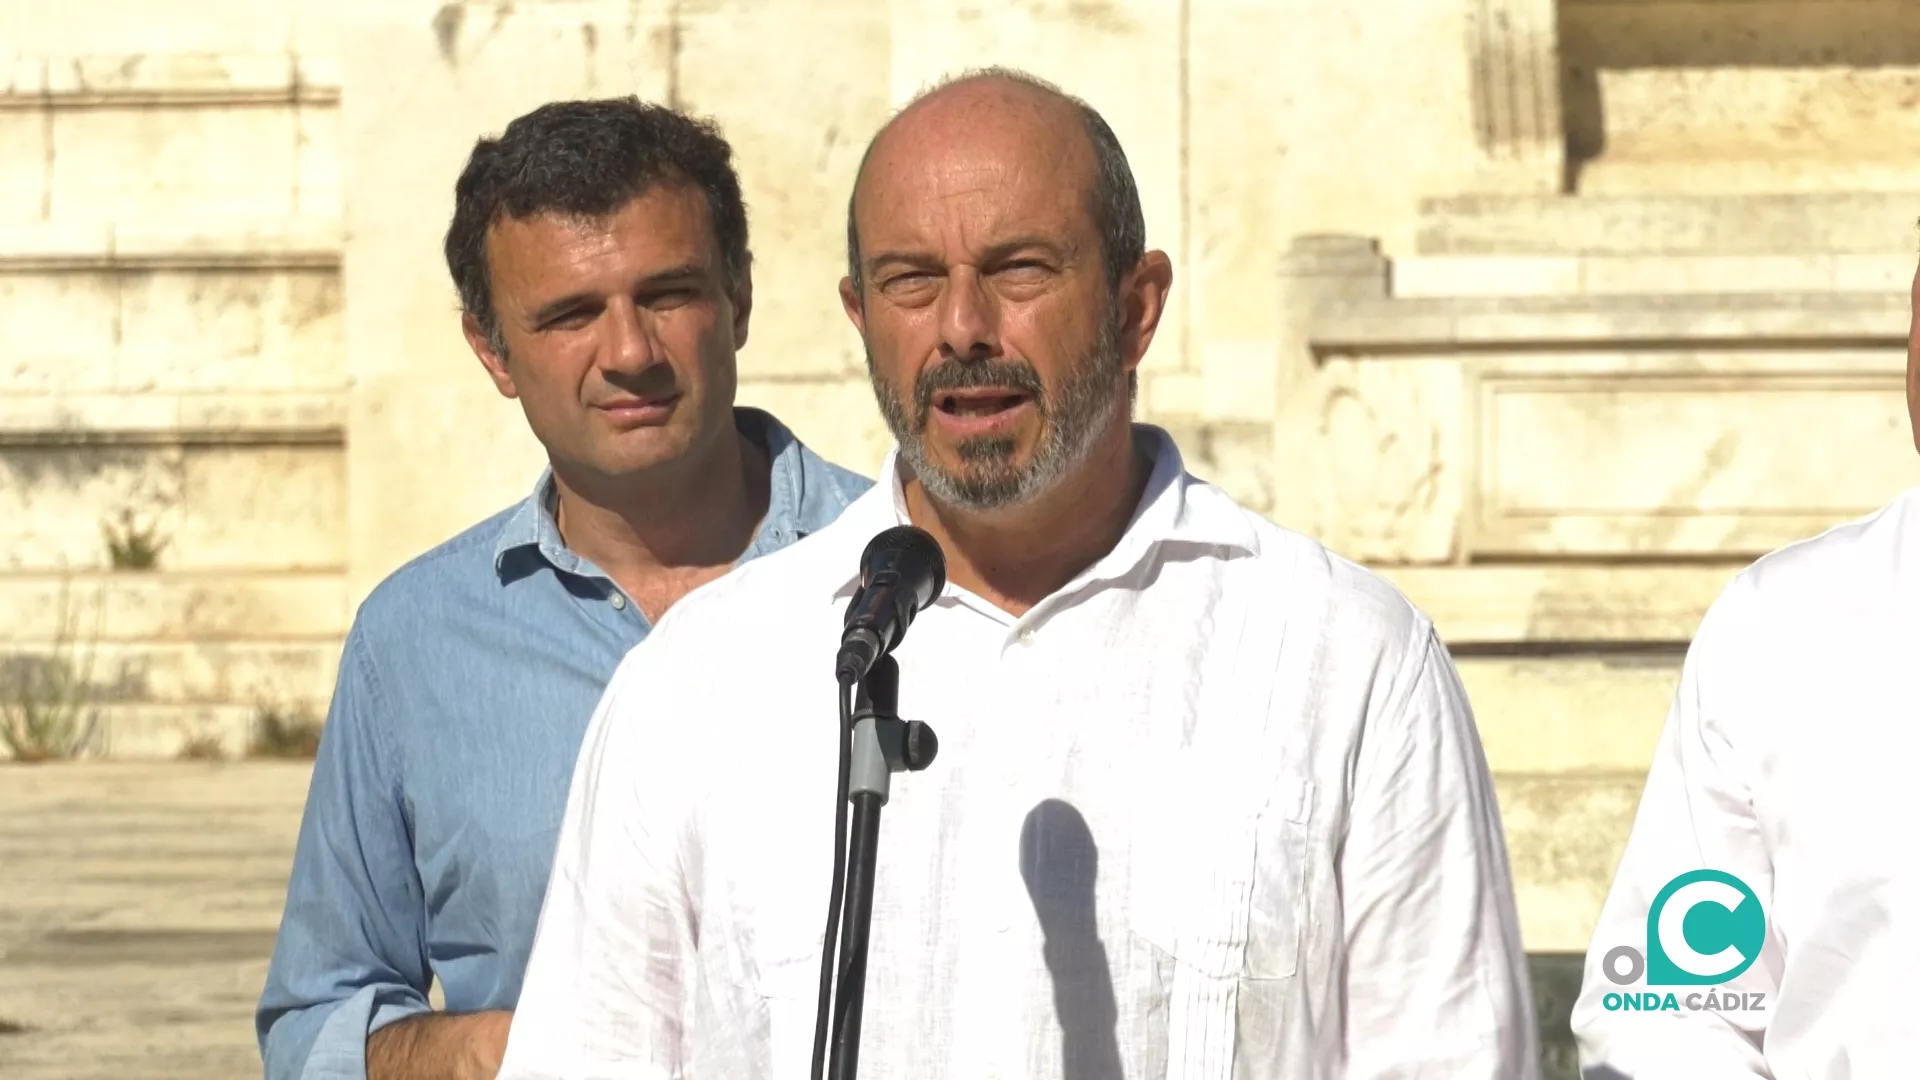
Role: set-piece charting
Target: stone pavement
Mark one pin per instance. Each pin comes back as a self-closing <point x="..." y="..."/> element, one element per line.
<point x="137" y="910"/>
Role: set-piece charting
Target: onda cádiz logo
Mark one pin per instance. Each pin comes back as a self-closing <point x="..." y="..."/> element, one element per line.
<point x="1705" y="927"/>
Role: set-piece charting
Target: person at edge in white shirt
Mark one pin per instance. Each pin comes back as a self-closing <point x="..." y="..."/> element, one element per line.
<point x="1209" y="803"/>
<point x="1786" y="762"/>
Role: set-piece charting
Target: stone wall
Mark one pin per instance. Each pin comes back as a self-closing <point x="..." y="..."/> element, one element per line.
<point x="1557" y="313"/>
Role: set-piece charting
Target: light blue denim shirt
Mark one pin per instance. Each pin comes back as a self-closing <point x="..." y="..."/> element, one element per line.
<point x="464" y="692"/>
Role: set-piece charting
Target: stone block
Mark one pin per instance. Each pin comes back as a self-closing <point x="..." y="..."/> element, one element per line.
<point x="62" y="331"/>
<point x="172" y="607"/>
<point x="1236" y="457"/>
<point x="1564" y="603"/>
<point x="193" y="74"/>
<point x="796" y="162"/>
<point x="1570" y="713"/>
<point x="1565" y="835"/>
<point x="1874" y="223"/>
<point x="133" y="27"/>
<point x="1687" y="465"/>
<point x="55" y="501"/>
<point x="1471" y="324"/>
<point x="164" y="161"/>
<point x="213" y="508"/>
<point x="836" y="417"/>
<point x="134" y="732"/>
<point x="230" y="330"/>
<point x="24" y="153"/>
<point x="1240" y="380"/>
<point x="1166" y="395"/>
<point x="1385" y="460"/>
<point x="246" y="673"/>
<point x="1488" y="275"/>
<point x="261" y="508"/>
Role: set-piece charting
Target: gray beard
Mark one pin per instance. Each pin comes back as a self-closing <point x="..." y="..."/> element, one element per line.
<point x="989" y="478"/>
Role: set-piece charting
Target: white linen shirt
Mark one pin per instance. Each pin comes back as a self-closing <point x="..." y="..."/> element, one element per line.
<point x="1217" y="808"/>
<point x="1788" y="761"/>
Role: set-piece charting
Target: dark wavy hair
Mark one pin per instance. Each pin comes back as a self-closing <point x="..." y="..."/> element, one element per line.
<point x="587" y="159"/>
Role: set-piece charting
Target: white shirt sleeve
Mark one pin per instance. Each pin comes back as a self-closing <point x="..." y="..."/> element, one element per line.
<point x="603" y="994"/>
<point x="1695" y="813"/>
<point x="1436" y="979"/>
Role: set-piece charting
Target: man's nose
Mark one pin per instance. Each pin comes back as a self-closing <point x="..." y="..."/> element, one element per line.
<point x="628" y="347"/>
<point x="969" y="317"/>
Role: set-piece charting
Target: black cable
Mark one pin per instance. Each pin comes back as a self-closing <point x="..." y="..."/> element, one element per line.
<point x="830" y="945"/>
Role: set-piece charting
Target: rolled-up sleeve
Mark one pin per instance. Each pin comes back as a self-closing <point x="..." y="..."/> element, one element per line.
<point x="1436" y="974"/>
<point x="350" y="956"/>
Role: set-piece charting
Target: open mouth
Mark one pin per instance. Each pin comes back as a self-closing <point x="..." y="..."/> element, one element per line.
<point x="978" y="403"/>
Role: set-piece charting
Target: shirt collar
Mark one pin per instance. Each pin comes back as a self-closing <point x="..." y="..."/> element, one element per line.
<point x="1175" y="508"/>
<point x="794" y="507"/>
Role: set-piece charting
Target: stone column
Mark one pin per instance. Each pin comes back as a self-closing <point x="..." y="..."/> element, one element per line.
<point x="1514" y="48"/>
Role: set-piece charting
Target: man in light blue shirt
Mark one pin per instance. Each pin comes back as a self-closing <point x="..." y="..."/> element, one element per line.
<point x="600" y="251"/>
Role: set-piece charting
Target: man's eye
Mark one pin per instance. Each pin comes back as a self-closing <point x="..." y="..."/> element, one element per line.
<point x="672" y="298"/>
<point x="572" y="320"/>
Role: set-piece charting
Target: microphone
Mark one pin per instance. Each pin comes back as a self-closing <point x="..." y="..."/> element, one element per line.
<point x="901" y="573"/>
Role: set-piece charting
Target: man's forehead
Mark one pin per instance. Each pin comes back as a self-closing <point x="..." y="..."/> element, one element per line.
<point x="1003" y="180"/>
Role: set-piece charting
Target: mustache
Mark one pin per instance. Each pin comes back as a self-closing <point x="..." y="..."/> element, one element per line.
<point x="1011" y="376"/>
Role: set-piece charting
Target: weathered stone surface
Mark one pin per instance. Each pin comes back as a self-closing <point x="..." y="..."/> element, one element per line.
<point x="1570" y="713"/>
<point x="836" y="417"/>
<point x="1563" y="275"/>
<point x="130" y="161"/>
<point x="1564" y="839"/>
<point x="1670" y="224"/>
<point x="174" y="607"/>
<point x="1547" y="603"/>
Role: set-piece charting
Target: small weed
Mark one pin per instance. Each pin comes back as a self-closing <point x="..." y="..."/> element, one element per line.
<point x="47" y="711"/>
<point x="205" y="746"/>
<point x="280" y="732"/>
<point x="132" y="546"/>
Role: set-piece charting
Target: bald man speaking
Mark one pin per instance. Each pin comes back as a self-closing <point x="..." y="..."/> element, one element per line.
<point x="1209" y="802"/>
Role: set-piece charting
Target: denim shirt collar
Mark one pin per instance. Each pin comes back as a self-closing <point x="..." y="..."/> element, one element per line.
<point x="795" y="508"/>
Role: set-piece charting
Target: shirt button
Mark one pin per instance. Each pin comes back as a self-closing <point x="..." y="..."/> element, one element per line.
<point x="619" y="602"/>
<point x="1026" y="637"/>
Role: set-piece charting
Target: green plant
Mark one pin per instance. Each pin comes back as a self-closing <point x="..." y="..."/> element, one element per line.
<point x="47" y="711"/>
<point x="132" y="546"/>
<point x="281" y="732"/>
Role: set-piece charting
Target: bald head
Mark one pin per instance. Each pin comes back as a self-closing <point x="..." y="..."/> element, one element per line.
<point x="1000" y="120"/>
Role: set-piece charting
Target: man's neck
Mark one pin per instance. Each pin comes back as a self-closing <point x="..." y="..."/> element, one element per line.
<point x="1016" y="557"/>
<point x="662" y="535"/>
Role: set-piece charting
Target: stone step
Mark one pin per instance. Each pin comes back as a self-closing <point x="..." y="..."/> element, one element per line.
<point x="1875" y="223"/>
<point x="1423" y="276"/>
<point x="173" y="607"/>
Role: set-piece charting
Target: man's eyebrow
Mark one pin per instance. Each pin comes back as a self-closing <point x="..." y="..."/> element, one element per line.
<point x="677" y="275"/>
<point x="997" y="252"/>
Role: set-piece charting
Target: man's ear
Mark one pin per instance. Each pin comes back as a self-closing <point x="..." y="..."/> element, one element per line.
<point x="495" y="364"/>
<point x="1143" y="300"/>
<point x="851" y="304"/>
<point x="742" y="308"/>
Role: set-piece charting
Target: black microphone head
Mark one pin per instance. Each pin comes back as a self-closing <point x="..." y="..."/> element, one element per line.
<point x="913" y="556"/>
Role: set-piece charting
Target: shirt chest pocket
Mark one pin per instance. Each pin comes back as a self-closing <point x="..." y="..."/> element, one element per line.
<point x="1221" y="889"/>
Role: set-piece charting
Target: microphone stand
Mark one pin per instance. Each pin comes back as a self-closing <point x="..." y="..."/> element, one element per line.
<point x="883" y="744"/>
